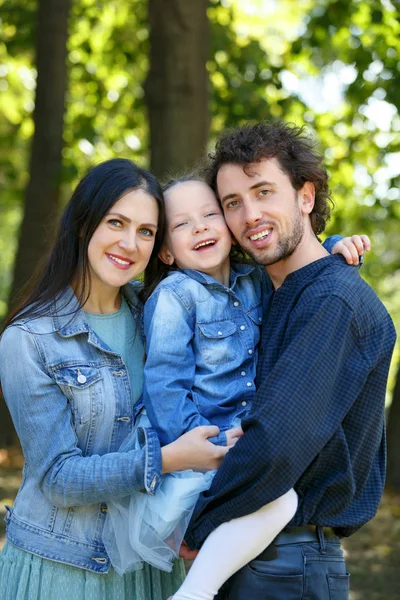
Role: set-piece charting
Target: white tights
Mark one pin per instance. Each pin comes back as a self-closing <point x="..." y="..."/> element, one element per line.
<point x="234" y="544"/>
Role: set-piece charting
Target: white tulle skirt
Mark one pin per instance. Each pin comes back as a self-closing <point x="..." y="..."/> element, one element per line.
<point x="143" y="528"/>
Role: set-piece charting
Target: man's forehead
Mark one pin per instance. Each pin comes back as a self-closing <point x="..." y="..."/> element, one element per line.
<point x="232" y="174"/>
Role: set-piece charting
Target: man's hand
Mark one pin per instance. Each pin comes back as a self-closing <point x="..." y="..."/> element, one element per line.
<point x="352" y="248"/>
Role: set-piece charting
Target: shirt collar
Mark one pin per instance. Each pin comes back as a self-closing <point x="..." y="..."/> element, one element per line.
<point x="237" y="270"/>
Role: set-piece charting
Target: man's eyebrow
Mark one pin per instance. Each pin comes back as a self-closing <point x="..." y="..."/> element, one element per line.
<point x="252" y="187"/>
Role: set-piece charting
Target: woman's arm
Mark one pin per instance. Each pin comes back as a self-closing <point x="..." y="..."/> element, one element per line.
<point x="43" y="421"/>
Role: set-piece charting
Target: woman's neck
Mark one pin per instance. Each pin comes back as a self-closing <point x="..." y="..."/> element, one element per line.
<point x="102" y="302"/>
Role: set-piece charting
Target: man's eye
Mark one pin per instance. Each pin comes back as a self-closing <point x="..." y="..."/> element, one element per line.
<point x="264" y="192"/>
<point x="232" y="203"/>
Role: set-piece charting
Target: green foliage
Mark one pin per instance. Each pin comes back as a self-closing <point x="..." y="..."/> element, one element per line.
<point x="267" y="59"/>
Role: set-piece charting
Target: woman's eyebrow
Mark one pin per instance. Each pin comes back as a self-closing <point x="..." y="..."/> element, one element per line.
<point x="123" y="217"/>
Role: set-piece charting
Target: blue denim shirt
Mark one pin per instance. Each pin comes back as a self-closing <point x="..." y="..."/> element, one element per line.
<point x="201" y="346"/>
<point x="70" y="400"/>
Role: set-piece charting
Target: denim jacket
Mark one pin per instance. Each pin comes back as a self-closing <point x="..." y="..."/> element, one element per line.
<point x="201" y="347"/>
<point x="70" y="400"/>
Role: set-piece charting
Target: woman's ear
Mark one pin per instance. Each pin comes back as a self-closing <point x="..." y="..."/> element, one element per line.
<point x="166" y="256"/>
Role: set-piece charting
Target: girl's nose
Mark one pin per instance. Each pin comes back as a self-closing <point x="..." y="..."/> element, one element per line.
<point x="200" y="226"/>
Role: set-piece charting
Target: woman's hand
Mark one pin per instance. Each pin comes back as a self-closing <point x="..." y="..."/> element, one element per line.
<point x="232" y="436"/>
<point x="192" y="450"/>
<point x="352" y="247"/>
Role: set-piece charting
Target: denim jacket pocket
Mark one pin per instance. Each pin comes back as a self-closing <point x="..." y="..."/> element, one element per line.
<point x="79" y="386"/>
<point x="218" y="344"/>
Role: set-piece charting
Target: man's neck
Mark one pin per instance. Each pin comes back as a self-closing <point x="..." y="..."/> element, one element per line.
<point x="308" y="250"/>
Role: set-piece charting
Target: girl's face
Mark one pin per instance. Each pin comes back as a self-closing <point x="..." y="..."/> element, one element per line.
<point x="120" y="247"/>
<point x="197" y="235"/>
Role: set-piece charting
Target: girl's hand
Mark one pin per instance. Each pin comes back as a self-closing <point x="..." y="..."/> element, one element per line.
<point x="352" y="248"/>
<point x="192" y="450"/>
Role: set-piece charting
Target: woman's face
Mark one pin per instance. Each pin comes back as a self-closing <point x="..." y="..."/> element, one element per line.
<point x="120" y="247"/>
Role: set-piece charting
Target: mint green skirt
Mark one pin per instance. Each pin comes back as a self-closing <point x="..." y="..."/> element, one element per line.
<point x="25" y="576"/>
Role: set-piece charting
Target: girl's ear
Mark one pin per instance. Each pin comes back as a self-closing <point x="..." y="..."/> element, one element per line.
<point x="166" y="256"/>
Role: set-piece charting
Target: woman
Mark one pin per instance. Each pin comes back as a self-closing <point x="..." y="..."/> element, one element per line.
<point x="71" y="369"/>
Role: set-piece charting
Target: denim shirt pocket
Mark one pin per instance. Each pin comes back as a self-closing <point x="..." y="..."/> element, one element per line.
<point x="80" y="386"/>
<point x="218" y="342"/>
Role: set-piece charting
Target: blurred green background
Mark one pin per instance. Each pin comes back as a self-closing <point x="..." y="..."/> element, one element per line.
<point x="156" y="81"/>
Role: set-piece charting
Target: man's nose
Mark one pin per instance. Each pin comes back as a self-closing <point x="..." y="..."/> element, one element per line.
<point x="252" y="212"/>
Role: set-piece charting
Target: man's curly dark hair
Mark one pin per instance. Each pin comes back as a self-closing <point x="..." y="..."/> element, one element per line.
<point x="293" y="150"/>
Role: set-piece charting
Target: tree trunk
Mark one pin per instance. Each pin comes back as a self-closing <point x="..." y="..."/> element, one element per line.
<point x="43" y="191"/>
<point x="177" y="91"/>
<point x="393" y="439"/>
<point x="42" y="194"/>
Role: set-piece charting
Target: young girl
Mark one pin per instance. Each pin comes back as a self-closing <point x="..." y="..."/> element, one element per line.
<point x="202" y="330"/>
<point x="71" y="370"/>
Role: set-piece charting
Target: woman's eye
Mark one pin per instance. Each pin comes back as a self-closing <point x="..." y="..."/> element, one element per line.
<point x="146" y="232"/>
<point x="115" y="222"/>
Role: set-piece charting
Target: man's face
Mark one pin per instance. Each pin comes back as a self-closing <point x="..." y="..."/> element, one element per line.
<point x="262" y="209"/>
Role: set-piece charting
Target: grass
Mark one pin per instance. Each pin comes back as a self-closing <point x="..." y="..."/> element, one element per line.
<point x="372" y="554"/>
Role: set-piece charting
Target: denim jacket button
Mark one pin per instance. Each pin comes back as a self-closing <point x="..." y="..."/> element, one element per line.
<point x="81" y="378"/>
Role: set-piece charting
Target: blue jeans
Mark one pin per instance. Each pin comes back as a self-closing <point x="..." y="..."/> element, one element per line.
<point x="302" y="571"/>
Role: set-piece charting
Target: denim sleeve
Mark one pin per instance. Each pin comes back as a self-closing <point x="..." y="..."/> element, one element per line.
<point x="170" y="367"/>
<point x="319" y="382"/>
<point x="331" y="241"/>
<point x="43" y="421"/>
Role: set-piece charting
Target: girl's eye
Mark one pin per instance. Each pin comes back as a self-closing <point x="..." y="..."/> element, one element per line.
<point x="146" y="232"/>
<point x="212" y="214"/>
<point x="179" y="224"/>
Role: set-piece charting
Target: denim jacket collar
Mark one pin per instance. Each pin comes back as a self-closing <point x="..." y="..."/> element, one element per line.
<point x="237" y="270"/>
<point x="69" y="319"/>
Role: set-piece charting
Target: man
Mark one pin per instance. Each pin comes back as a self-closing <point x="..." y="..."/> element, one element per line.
<point x="317" y="422"/>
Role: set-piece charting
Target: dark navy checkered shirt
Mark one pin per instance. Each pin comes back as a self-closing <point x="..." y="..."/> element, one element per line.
<point x="317" y="422"/>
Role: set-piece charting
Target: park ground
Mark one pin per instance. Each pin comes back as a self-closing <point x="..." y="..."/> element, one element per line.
<point x="372" y="554"/>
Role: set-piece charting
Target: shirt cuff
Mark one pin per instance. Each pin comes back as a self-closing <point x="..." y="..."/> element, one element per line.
<point x="197" y="533"/>
<point x="331" y="241"/>
<point x="153" y="461"/>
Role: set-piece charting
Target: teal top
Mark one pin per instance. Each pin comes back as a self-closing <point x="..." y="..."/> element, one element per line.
<point x="119" y="331"/>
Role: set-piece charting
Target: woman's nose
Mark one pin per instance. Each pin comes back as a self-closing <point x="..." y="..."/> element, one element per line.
<point x="128" y="242"/>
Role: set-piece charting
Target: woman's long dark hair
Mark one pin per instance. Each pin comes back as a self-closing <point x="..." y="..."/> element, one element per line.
<point x="93" y="198"/>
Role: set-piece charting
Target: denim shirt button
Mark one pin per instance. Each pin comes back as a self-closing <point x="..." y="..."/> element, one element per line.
<point x="244" y="403"/>
<point x="249" y="384"/>
<point x="236" y="303"/>
<point x="219" y="332"/>
<point x="81" y="378"/>
<point x="243" y="373"/>
<point x="242" y="327"/>
<point x="250" y="351"/>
